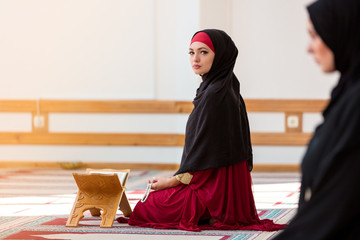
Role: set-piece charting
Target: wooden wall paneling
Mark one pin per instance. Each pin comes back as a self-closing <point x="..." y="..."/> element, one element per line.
<point x="17" y="106"/>
<point x="116" y="106"/>
<point x="128" y="139"/>
<point x="184" y="107"/>
<point x="152" y="106"/>
<point x="92" y="139"/>
<point x="41" y="136"/>
<point x="280" y="139"/>
<point x="283" y="105"/>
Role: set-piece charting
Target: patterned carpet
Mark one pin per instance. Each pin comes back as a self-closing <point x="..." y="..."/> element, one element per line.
<point x="35" y="204"/>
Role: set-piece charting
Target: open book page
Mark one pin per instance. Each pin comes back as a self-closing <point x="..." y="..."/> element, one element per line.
<point x="121" y="175"/>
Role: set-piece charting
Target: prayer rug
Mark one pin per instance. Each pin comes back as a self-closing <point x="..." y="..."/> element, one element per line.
<point x="53" y="227"/>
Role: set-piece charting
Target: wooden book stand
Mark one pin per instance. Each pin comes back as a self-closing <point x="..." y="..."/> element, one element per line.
<point x="100" y="190"/>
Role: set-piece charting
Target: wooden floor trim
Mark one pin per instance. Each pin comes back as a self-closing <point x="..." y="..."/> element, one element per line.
<point x="133" y="166"/>
<point x="276" y="168"/>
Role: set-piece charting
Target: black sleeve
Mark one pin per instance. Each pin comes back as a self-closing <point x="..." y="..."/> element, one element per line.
<point x="332" y="210"/>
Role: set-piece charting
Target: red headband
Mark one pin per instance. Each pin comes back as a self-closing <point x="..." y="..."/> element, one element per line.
<point x="203" y="38"/>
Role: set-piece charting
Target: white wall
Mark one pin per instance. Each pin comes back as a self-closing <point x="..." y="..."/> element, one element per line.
<point x="77" y="49"/>
<point x="176" y="22"/>
<point x="273" y="60"/>
<point x="122" y="49"/>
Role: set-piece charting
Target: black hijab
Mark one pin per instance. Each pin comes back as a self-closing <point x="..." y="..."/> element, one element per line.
<point x="217" y="131"/>
<point x="338" y="24"/>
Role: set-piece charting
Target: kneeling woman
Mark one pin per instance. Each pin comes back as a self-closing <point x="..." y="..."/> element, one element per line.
<point x="212" y="188"/>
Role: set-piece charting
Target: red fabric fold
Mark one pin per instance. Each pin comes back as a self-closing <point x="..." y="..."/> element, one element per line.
<point x="223" y="194"/>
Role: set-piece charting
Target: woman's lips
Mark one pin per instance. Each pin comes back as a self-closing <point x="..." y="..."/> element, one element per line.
<point x="196" y="66"/>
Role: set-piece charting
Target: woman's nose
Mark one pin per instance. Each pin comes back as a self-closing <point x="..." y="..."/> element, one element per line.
<point x="196" y="58"/>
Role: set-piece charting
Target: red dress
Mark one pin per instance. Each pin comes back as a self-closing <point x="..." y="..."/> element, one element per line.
<point x="223" y="194"/>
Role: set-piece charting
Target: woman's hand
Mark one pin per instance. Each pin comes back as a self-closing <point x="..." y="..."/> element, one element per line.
<point x="160" y="183"/>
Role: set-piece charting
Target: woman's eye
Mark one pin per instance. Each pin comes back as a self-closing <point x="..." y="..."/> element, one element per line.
<point x="204" y="52"/>
<point x="191" y="53"/>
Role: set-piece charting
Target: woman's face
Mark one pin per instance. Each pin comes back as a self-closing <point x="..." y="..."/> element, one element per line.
<point x="201" y="58"/>
<point x="322" y="53"/>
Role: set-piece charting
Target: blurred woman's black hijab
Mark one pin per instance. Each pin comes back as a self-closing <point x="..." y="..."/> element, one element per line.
<point x="338" y="24"/>
<point x="217" y="132"/>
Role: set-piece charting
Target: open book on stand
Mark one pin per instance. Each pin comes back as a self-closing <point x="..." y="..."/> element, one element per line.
<point x="122" y="174"/>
